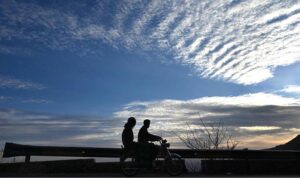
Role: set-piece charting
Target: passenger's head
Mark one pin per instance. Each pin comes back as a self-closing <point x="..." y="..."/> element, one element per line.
<point x="130" y="122"/>
<point x="147" y="123"/>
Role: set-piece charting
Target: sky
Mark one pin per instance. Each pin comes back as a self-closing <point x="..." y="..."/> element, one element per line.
<point x="72" y="72"/>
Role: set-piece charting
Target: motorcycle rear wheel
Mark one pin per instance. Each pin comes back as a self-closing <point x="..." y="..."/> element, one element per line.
<point x="129" y="166"/>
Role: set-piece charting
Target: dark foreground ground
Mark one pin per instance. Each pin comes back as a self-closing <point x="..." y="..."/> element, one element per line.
<point x="150" y="175"/>
<point x="90" y="168"/>
<point x="157" y="175"/>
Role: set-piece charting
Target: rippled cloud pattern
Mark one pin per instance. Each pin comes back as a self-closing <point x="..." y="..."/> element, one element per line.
<point x="236" y="41"/>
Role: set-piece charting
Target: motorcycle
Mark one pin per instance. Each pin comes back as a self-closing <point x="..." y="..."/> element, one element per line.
<point x="130" y="163"/>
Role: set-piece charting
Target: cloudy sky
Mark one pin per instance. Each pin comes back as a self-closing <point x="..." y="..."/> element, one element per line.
<point x="72" y="72"/>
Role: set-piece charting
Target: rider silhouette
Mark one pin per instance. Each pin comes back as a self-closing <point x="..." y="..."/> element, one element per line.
<point x="144" y="137"/>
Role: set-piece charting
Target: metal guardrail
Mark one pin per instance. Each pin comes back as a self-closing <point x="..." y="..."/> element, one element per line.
<point x="12" y="150"/>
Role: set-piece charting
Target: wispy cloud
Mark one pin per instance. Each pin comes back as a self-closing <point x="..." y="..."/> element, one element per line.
<point x="48" y="129"/>
<point x="9" y="99"/>
<point x="10" y="82"/>
<point x="4" y="98"/>
<point x="236" y="41"/>
<point x="37" y="101"/>
<point x="18" y="51"/>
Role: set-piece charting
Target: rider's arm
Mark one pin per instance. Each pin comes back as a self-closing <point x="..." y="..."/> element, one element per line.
<point x="153" y="137"/>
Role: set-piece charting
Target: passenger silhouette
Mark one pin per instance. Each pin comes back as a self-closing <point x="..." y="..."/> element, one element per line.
<point x="127" y="134"/>
<point x="144" y="139"/>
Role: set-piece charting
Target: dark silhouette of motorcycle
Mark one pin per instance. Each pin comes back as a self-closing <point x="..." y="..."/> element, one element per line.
<point x="171" y="162"/>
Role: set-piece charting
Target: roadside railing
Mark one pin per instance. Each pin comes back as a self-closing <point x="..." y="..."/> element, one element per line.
<point x="13" y="150"/>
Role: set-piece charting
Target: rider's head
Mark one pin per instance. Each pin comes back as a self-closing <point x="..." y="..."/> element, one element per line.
<point x="147" y="123"/>
<point x="131" y="122"/>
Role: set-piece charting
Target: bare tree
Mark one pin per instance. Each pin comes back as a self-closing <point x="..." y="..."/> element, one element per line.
<point x="208" y="136"/>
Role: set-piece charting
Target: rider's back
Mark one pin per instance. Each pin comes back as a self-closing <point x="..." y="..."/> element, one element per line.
<point x="127" y="136"/>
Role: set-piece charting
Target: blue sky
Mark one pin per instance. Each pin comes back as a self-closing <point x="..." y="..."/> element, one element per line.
<point x="73" y="63"/>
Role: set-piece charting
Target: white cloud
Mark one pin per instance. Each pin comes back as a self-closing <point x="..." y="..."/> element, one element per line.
<point x="207" y="107"/>
<point x="201" y="107"/>
<point x="296" y="130"/>
<point x="291" y="89"/>
<point x="178" y="108"/>
<point x="259" y="128"/>
<point x="240" y="42"/>
<point x="252" y="99"/>
<point x="9" y="82"/>
<point x="179" y="112"/>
